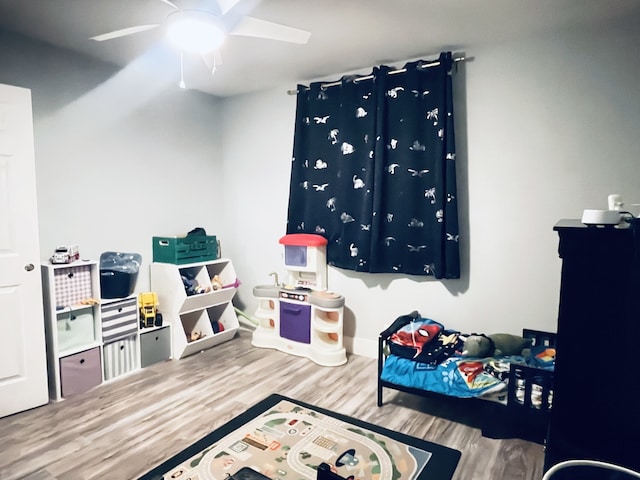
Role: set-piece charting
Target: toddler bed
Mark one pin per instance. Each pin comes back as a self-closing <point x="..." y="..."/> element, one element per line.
<point x="512" y="395"/>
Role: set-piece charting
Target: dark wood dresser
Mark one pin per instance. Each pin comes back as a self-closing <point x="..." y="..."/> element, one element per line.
<point x="596" y="404"/>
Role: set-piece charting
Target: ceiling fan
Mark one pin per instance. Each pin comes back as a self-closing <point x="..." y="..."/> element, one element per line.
<point x="201" y="27"/>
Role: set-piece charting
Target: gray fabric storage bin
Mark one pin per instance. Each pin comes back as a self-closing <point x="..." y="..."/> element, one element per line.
<point x="155" y="346"/>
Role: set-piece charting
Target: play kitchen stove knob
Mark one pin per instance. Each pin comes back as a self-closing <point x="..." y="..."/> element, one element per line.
<point x="294" y="296"/>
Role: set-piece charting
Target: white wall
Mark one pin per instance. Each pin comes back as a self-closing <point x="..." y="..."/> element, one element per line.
<point x="257" y="146"/>
<point x="119" y="157"/>
<point x="545" y="128"/>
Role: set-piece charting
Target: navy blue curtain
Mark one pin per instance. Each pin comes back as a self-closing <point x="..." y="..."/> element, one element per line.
<point x="373" y="170"/>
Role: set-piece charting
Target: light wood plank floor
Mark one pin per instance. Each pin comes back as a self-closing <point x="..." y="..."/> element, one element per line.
<point x="122" y="428"/>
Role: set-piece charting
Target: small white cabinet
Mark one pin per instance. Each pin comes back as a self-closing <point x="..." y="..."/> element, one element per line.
<point x="195" y="299"/>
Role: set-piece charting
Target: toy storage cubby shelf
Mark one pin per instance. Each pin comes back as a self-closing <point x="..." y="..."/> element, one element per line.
<point x="91" y="340"/>
<point x="72" y="327"/>
<point x="201" y="320"/>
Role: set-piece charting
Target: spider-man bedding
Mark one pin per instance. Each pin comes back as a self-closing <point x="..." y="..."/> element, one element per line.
<point x="422" y="354"/>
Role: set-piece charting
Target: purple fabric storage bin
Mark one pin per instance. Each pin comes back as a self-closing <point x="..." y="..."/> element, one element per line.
<point x="80" y="372"/>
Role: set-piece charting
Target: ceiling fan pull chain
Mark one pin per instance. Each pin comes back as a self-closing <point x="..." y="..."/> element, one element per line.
<point x="182" y="84"/>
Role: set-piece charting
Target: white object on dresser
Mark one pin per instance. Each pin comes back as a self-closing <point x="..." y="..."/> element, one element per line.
<point x="600" y="217"/>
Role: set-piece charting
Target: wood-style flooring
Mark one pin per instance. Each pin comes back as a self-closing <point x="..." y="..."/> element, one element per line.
<point x="122" y="428"/>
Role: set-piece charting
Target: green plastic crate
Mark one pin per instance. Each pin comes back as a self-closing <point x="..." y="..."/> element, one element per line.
<point x="181" y="250"/>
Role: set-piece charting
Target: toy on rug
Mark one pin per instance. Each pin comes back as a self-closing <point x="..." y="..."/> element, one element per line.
<point x="496" y="345"/>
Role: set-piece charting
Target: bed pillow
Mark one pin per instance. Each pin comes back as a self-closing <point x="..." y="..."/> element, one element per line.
<point x="410" y="340"/>
<point x="541" y="356"/>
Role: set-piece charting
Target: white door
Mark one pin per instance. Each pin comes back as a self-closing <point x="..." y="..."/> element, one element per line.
<point x="23" y="364"/>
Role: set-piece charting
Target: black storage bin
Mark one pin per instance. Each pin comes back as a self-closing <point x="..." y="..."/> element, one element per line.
<point x="118" y="274"/>
<point x="114" y="284"/>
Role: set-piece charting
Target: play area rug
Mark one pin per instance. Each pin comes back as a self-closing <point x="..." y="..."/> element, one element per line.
<point x="283" y="439"/>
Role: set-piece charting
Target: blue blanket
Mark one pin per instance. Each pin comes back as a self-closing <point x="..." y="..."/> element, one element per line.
<point x="462" y="377"/>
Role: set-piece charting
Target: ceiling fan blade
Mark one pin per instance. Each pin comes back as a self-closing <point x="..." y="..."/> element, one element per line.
<point x="226" y="5"/>
<point x="123" y="32"/>
<point x="254" y="27"/>
<point x="171" y="4"/>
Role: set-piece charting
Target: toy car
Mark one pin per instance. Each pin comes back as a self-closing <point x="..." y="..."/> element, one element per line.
<point x="149" y="314"/>
<point x="65" y="254"/>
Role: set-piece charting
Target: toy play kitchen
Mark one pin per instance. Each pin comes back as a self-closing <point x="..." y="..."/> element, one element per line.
<point x="302" y="317"/>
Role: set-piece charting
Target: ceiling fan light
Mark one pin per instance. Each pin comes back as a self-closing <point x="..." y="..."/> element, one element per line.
<point x="195" y="32"/>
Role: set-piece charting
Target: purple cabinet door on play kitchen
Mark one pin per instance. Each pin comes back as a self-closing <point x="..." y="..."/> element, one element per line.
<point x="295" y="322"/>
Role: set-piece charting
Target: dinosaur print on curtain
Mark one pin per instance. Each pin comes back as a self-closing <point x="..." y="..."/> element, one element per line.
<point x="373" y="170"/>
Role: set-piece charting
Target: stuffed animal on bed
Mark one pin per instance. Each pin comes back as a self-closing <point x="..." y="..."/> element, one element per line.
<point x="496" y="345"/>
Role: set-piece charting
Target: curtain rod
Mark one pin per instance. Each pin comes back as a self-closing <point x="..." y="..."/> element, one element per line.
<point x="369" y="77"/>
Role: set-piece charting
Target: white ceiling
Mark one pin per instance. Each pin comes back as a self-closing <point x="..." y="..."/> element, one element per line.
<point x="346" y="35"/>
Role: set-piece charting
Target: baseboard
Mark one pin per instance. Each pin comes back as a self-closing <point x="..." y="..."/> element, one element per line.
<point x="361" y="346"/>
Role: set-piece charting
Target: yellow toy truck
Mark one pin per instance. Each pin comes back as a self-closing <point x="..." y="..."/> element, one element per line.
<point x="149" y="314"/>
